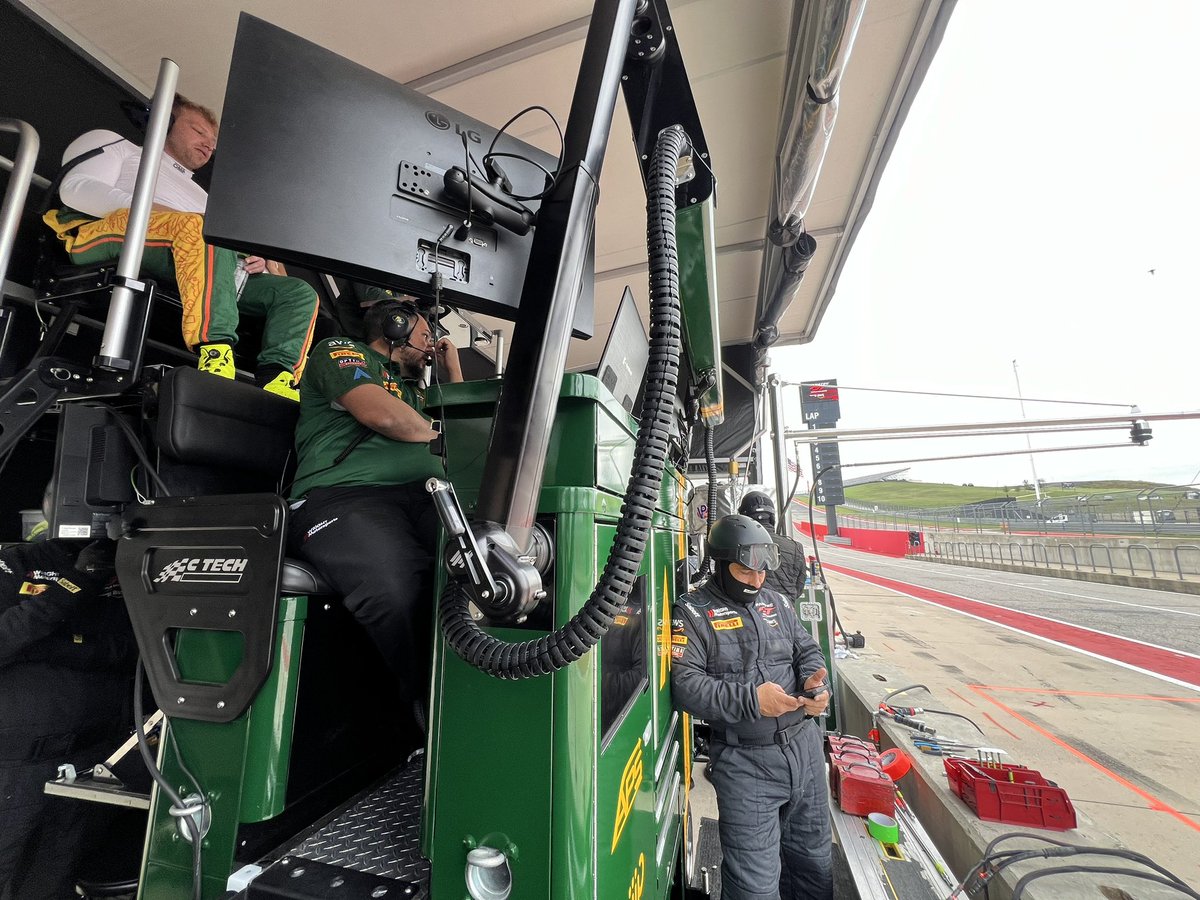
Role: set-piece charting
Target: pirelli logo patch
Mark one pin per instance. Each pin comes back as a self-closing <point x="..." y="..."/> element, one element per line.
<point x="348" y="354"/>
<point x="727" y="624"/>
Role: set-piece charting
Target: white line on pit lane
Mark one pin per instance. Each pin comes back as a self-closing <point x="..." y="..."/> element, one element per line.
<point x="1166" y="609"/>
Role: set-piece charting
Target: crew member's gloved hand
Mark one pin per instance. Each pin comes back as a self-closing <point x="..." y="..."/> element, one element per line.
<point x="98" y="561"/>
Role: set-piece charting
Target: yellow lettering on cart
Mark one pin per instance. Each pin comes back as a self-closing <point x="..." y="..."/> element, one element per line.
<point x="638" y="885"/>
<point x="631" y="780"/>
<point x="664" y="637"/>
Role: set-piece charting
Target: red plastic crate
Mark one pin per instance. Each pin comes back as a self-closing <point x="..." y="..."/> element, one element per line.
<point x="1010" y="794"/>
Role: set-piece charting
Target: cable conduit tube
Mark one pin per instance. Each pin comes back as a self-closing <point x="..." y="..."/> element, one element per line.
<point x="554" y="651"/>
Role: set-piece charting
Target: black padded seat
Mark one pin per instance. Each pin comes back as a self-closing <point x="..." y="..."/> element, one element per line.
<point x="300" y="578"/>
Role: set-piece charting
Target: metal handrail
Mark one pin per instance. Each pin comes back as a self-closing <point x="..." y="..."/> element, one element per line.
<point x="1074" y="556"/>
<point x="18" y="188"/>
<point x="1149" y="556"/>
<point x="1178" y="567"/>
<point x="1107" y="553"/>
<point x="1020" y="549"/>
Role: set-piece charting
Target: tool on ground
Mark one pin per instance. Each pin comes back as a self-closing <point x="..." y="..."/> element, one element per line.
<point x="1003" y="792"/>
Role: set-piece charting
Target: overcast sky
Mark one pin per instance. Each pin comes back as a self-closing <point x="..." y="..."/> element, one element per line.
<point x="1050" y="161"/>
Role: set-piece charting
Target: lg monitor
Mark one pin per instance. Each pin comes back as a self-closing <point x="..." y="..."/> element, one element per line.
<point x="333" y="166"/>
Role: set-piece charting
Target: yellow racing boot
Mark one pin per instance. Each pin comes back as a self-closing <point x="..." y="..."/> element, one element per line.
<point x="283" y="385"/>
<point x="217" y="359"/>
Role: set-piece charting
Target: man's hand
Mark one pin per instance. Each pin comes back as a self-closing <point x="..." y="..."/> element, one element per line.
<point x="774" y="700"/>
<point x="817" y="706"/>
<point x="447" y="359"/>
<point x="254" y="265"/>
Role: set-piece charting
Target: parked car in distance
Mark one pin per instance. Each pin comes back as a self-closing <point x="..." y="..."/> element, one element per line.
<point x="1059" y="519"/>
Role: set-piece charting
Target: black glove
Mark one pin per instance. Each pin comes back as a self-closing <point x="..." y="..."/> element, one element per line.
<point x="98" y="560"/>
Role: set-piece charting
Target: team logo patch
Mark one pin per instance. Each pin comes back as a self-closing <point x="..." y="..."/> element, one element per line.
<point x="206" y="570"/>
<point x="677" y="652"/>
<point x="727" y="624"/>
<point x="339" y="354"/>
<point x="721" y="611"/>
<point x="320" y="525"/>
<point x="339" y="342"/>
<point x="32" y="590"/>
<point x="346" y="363"/>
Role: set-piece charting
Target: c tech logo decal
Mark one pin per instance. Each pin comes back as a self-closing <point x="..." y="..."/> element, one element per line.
<point x="204" y="569"/>
<point x="631" y="780"/>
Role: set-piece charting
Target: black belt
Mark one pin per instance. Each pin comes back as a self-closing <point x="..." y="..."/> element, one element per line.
<point x="782" y="737"/>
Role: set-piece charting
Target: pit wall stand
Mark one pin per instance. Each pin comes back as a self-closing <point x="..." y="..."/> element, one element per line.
<point x="580" y="777"/>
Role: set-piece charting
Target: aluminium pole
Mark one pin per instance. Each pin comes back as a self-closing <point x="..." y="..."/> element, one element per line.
<point x="1037" y="491"/>
<point x="114" y="345"/>
<point x="779" y="446"/>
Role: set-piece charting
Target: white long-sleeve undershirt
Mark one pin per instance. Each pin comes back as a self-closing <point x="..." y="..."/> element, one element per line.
<point x="105" y="183"/>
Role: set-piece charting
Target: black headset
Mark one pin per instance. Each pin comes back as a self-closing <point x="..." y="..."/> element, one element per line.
<point x="399" y="318"/>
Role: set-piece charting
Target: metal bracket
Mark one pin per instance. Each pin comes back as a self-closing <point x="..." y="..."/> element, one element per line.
<point x="515" y="589"/>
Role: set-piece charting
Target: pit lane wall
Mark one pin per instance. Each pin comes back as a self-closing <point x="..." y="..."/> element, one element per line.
<point x="961" y="837"/>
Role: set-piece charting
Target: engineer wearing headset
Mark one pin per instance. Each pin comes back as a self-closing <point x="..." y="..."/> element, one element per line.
<point x="361" y="513"/>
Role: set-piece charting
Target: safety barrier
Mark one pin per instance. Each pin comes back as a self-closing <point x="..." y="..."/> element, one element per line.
<point x="1178" y="566"/>
<point x="1149" y="556"/>
<point x="1107" y="554"/>
<point x="1074" y="556"/>
<point x="1138" y="557"/>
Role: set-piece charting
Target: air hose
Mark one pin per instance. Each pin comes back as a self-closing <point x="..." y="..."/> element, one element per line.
<point x="554" y="651"/>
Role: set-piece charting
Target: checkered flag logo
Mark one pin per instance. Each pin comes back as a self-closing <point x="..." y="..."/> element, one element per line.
<point x="172" y="571"/>
<point x="203" y="570"/>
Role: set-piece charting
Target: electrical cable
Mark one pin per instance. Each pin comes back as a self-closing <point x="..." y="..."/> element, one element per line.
<point x="1023" y="882"/>
<point x="138" y="450"/>
<point x="562" y="145"/>
<point x="993" y="862"/>
<point x="182" y="811"/>
<point x="569" y="643"/>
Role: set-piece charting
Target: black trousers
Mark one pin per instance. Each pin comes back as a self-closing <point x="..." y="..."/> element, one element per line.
<point x="375" y="546"/>
<point x="51" y="715"/>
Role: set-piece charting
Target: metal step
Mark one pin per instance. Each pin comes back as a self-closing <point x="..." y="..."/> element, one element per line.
<point x="378" y="834"/>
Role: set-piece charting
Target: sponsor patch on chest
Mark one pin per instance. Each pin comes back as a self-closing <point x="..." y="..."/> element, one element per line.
<point x="727" y="624"/>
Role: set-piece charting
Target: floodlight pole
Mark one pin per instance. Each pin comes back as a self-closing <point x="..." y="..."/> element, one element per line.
<point x="1037" y="491"/>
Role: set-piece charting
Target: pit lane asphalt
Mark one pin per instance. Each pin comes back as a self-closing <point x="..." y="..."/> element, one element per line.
<point x="1164" y="618"/>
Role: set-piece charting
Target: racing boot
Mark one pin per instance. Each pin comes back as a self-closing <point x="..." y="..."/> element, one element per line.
<point x="217" y="359"/>
<point x="278" y="380"/>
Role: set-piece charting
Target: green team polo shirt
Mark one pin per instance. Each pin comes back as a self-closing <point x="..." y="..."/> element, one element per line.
<point x="325" y="429"/>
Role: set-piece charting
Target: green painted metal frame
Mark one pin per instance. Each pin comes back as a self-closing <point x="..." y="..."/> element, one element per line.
<point x="242" y="765"/>
<point x="520" y="765"/>
<point x="695" y="233"/>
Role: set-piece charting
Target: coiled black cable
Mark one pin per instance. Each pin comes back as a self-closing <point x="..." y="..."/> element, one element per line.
<point x="558" y="649"/>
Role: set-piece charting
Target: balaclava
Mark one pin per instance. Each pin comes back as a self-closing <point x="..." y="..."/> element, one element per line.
<point x="735" y="590"/>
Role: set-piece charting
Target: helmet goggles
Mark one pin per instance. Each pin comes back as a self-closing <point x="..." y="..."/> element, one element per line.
<point x="757" y="557"/>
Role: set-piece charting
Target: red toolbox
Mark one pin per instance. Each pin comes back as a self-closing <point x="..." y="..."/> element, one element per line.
<point x="1014" y="795"/>
<point x="856" y="779"/>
